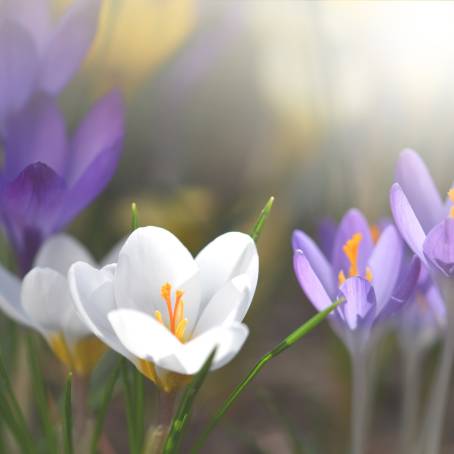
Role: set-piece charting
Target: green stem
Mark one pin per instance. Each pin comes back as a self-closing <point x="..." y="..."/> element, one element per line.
<point x="281" y="347"/>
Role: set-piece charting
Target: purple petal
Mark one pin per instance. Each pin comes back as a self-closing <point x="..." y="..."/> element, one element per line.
<point x="18" y="64"/>
<point x="35" y="134"/>
<point x="406" y="221"/>
<point x="385" y="263"/>
<point x="326" y="233"/>
<point x="419" y="187"/>
<point x="436" y="304"/>
<point x="34" y="16"/>
<point x="359" y="307"/>
<point x="69" y="44"/>
<point x="310" y="282"/>
<point x="439" y="246"/>
<point x="317" y="260"/>
<point x="102" y="128"/>
<point x="30" y="207"/>
<point x="90" y="184"/>
<point x="403" y="293"/>
<point x="353" y="222"/>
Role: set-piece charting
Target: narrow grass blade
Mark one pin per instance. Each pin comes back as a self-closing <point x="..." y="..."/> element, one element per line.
<point x="184" y="409"/>
<point x="134" y="217"/>
<point x="16" y="420"/>
<point x="67" y="418"/>
<point x="138" y="391"/>
<point x="40" y="395"/>
<point x="130" y="412"/>
<point x="23" y="439"/>
<point x="282" y="346"/>
<point x="257" y="230"/>
<point x="102" y="411"/>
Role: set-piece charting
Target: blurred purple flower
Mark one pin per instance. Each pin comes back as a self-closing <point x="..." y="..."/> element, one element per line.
<point x="424" y="220"/>
<point x="364" y="274"/>
<point x="424" y="319"/>
<point x="37" y="55"/>
<point x="47" y="179"/>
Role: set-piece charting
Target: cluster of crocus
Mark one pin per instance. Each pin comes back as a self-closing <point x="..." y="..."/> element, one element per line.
<point x="47" y="179"/>
<point x="367" y="268"/>
<point x="151" y="301"/>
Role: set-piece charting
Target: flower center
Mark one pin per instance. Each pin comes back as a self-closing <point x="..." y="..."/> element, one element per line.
<point x="177" y="322"/>
<point x="351" y="250"/>
<point x="451" y="198"/>
<point x="81" y="357"/>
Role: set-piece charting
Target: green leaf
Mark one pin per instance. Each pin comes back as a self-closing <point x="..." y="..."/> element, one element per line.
<point x="134" y="217"/>
<point x="184" y="409"/>
<point x="102" y="411"/>
<point x="39" y="392"/>
<point x="257" y="230"/>
<point x="282" y="346"/>
<point x="130" y="411"/>
<point x="68" y="418"/>
<point x="12" y="412"/>
<point x="9" y="419"/>
<point x="138" y="390"/>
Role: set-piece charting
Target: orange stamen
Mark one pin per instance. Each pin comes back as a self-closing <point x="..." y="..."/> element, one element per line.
<point x="177" y="322"/>
<point x="369" y="276"/>
<point x="351" y="250"/>
<point x="451" y="198"/>
<point x="374" y="233"/>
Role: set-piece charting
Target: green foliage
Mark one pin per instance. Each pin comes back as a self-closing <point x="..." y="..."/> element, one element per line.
<point x="183" y="413"/>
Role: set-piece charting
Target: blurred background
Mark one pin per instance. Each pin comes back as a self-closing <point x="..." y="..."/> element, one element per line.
<point x="230" y="102"/>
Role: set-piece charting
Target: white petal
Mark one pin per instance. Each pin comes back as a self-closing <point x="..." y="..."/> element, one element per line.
<point x="225" y="257"/>
<point x="143" y="335"/>
<point x="150" y="258"/>
<point x="10" y="303"/>
<point x="190" y="357"/>
<point x="93" y="294"/>
<point x="229" y="304"/>
<point x="47" y="301"/>
<point x="60" y="251"/>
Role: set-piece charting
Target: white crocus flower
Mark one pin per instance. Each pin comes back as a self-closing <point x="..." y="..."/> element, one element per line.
<point x="42" y="301"/>
<point x="166" y="311"/>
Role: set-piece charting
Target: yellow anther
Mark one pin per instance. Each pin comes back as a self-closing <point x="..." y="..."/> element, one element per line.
<point x="158" y="317"/>
<point x="177" y="322"/>
<point x="369" y="276"/>
<point x="341" y="277"/>
<point x="181" y="328"/>
<point x="351" y="250"/>
<point x="451" y="198"/>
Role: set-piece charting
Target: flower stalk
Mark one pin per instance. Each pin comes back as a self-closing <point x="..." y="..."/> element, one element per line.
<point x="433" y="424"/>
<point x="411" y="402"/>
<point x="360" y="401"/>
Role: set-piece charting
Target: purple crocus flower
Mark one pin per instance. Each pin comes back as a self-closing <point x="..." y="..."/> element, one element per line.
<point x="365" y="275"/>
<point x="424" y="220"/>
<point x="37" y="55"/>
<point x="48" y="179"/>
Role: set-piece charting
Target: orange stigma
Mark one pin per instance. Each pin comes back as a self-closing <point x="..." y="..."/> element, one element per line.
<point x="351" y="250"/>
<point x="177" y="322"/>
<point x="451" y="198"/>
